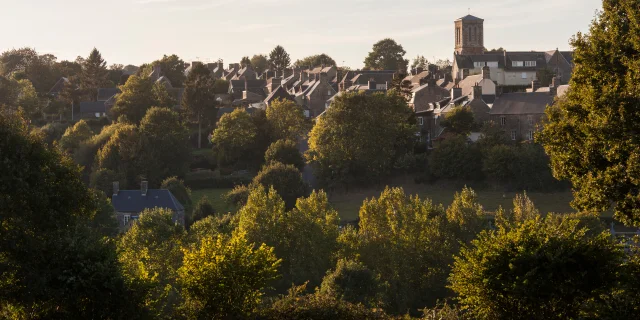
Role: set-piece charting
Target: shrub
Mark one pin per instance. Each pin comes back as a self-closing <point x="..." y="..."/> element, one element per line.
<point x="238" y="196"/>
<point x="455" y="158"/>
<point x="353" y="282"/>
<point x="203" y="209"/>
<point x="284" y="151"/>
<point x="285" y="179"/>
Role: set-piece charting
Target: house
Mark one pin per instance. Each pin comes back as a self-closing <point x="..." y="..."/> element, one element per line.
<point x="247" y="91"/>
<point x="382" y="79"/>
<point x="279" y="93"/>
<point x="312" y="92"/>
<point x="58" y="86"/>
<point x="92" y="109"/>
<point x="129" y="204"/>
<point x="246" y="73"/>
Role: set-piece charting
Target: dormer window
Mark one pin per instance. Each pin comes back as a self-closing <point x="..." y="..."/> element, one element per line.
<point x="529" y="63"/>
<point x="517" y="63"/>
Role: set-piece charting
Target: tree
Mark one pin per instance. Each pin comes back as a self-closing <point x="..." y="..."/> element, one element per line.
<point x="499" y="50"/>
<point x="180" y="191"/>
<point x="225" y="278"/>
<point x="104" y="221"/>
<point x="168" y="150"/>
<point x="136" y="98"/>
<point x="94" y="74"/>
<point x="390" y="228"/>
<point x="259" y="63"/>
<point x="221" y="86"/>
<point x="123" y="155"/>
<point x="353" y="282"/>
<point x="360" y="137"/>
<point x="279" y="59"/>
<point x="286" y="152"/>
<point x="28" y="99"/>
<point x="420" y="62"/>
<point x="233" y="136"/>
<point x="387" y="55"/>
<point x="74" y="135"/>
<point x="114" y="74"/>
<point x="491" y="135"/>
<point x="306" y="256"/>
<point x="600" y="157"/>
<point x="51" y="263"/>
<point x="556" y="268"/>
<point x="245" y="62"/>
<point x="459" y="121"/>
<point x="203" y="209"/>
<point x="286" y="120"/>
<point x="173" y="68"/>
<point x="162" y="96"/>
<point x="41" y="70"/>
<point x="467" y="215"/>
<point x="314" y="61"/>
<point x="212" y="226"/>
<point x="151" y="254"/>
<point x="199" y="95"/>
<point x="286" y="179"/>
<point x="455" y="158"/>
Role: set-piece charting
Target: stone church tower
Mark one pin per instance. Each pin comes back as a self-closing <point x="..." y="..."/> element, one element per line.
<point x="469" y="35"/>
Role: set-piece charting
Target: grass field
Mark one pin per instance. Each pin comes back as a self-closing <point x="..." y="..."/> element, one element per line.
<point x="348" y="204"/>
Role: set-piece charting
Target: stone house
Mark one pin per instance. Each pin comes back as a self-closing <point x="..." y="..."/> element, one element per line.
<point x="519" y="114"/>
<point x="314" y="94"/>
<point x="129" y="204"/>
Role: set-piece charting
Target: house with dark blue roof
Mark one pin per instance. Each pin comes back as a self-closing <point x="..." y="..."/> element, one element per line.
<point x="129" y="204"/>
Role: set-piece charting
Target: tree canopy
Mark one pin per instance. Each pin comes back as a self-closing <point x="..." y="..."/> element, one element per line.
<point x="199" y="98"/>
<point x="279" y="59"/>
<point x="286" y="120"/>
<point x="286" y="152"/>
<point x="234" y="136"/>
<point x="387" y="55"/>
<point x="259" y="63"/>
<point x="315" y="61"/>
<point x="94" y="74"/>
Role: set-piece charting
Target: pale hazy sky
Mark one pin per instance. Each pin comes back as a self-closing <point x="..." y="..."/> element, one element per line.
<point x="138" y="31"/>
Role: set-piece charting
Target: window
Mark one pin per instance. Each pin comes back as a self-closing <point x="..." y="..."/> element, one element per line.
<point x="503" y="121"/>
<point x="126" y="219"/>
<point x="97" y="114"/>
<point x="329" y="92"/>
<point x="492" y="64"/>
<point x="524" y="75"/>
<point x="517" y="63"/>
<point x="530" y="135"/>
<point x="479" y="64"/>
<point x="530" y="120"/>
<point x="513" y="135"/>
<point x="529" y="63"/>
<point x="421" y="121"/>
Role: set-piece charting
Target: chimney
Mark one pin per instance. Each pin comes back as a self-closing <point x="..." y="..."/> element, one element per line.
<point x="477" y="92"/>
<point x="303" y="76"/>
<point x="236" y="66"/>
<point x="486" y="73"/>
<point x="535" y="85"/>
<point x="419" y="70"/>
<point x="211" y="66"/>
<point x="553" y="89"/>
<point x="372" y="84"/>
<point x="346" y="84"/>
<point x="116" y="188"/>
<point x="195" y="63"/>
<point x="220" y="66"/>
<point x="456" y="92"/>
<point x="465" y="73"/>
<point x="230" y="66"/>
<point x="323" y="77"/>
<point x="275" y="83"/>
<point x="144" y="187"/>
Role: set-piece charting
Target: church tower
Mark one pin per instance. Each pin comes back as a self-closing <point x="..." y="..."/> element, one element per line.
<point x="469" y="35"/>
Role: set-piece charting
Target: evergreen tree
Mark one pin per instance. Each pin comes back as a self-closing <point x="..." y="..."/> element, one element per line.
<point x="199" y="96"/>
<point x="279" y="59"/>
<point x="94" y="74"/>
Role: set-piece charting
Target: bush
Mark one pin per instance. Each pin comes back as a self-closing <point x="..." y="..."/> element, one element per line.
<point x="103" y="180"/>
<point x="285" y="179"/>
<point x="455" y="158"/>
<point x="207" y="179"/>
<point x="284" y="151"/>
<point x="352" y="282"/>
<point x="238" y="196"/>
<point x="203" y="209"/>
<point x="51" y="132"/>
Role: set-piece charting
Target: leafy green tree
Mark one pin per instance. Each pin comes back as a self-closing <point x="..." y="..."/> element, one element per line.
<point x="259" y="63"/>
<point x="237" y="196"/>
<point x="28" y="99"/>
<point x="173" y="68"/>
<point x="539" y="269"/>
<point x="221" y="86"/>
<point x="94" y="74"/>
<point x="104" y="221"/>
<point x="136" y="98"/>
<point x="279" y="59"/>
<point x="203" y="209"/>
<point x="387" y="54"/>
<point x="9" y="92"/>
<point x="199" y="96"/>
<point x="286" y="179"/>
<point x="286" y="152"/>
<point x="123" y="155"/>
<point x="245" y="62"/>
<point x="212" y="226"/>
<point x="304" y="238"/>
<point x="420" y="62"/>
<point x="103" y="179"/>
<point x="41" y="70"/>
<point x="180" y="191"/>
<point x="286" y="120"/>
<point x="455" y="158"/>
<point x="162" y="96"/>
<point x="87" y="150"/>
<point x="314" y="61"/>
<point x="225" y="278"/>
<point x="407" y="242"/>
<point x="466" y="215"/>
<point x="74" y="135"/>
<point x="590" y="134"/>
<point x="459" y="121"/>
<point x="360" y="137"/>
<point x="353" y="282"/>
<point x="151" y="254"/>
<point x="492" y="135"/>
<point x="499" y="162"/>
<point x="52" y="266"/>
<point x="234" y="136"/>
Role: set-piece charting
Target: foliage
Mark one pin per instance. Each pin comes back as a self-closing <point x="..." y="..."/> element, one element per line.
<point x="136" y="98"/>
<point x="353" y="282"/>
<point x="162" y="96"/>
<point x="492" y="135"/>
<point x="87" y="150"/>
<point x="221" y="86"/>
<point x="203" y="209"/>
<point x="420" y="62"/>
<point x="234" y="136"/>
<point x="237" y="196"/>
<point x="173" y="68"/>
<point x="285" y="179"/>
<point x="539" y="269"/>
<point x="259" y="63"/>
<point x="286" y="119"/>
<point x="42" y="70"/>
<point x="103" y="179"/>
<point x="591" y="134"/>
<point x="286" y="152"/>
<point x="212" y="226"/>
<point x="50" y="132"/>
<point x="104" y="221"/>
<point x="459" y="121"/>
<point x="151" y="254"/>
<point x="279" y="59"/>
<point x="455" y="158"/>
<point x="74" y="135"/>
<point x="180" y="191"/>
<point x="466" y="215"/>
<point x="225" y="277"/>
<point x="94" y="74"/>
<point x="314" y="61"/>
<point x="199" y="97"/>
<point x="407" y="242"/>
<point x="245" y="62"/>
<point x="545" y="76"/>
<point x="387" y="55"/>
<point x="360" y="137"/>
<point x="304" y="238"/>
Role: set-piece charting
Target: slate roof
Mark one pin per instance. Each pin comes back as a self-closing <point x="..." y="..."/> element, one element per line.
<point x="92" y="107"/>
<point x="522" y="103"/>
<point x="467" y="84"/>
<point x="568" y="55"/>
<point x="105" y="93"/>
<point x="470" y="18"/>
<point x="279" y="93"/>
<point x="380" y="78"/>
<point x="57" y="88"/>
<point x="134" y="202"/>
<point x="467" y="61"/>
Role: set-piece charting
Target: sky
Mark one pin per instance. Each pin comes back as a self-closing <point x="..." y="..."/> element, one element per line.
<point x="139" y="31"/>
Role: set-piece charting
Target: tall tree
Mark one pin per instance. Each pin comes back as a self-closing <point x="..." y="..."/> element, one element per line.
<point x="420" y="62"/>
<point x="387" y="55"/>
<point x="173" y="68"/>
<point x="234" y="136"/>
<point x="259" y="63"/>
<point x="279" y="59"/>
<point x="315" y="61"/>
<point x="286" y="120"/>
<point x="592" y="134"/>
<point x="94" y="74"/>
<point x="245" y="62"/>
<point x="199" y="95"/>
